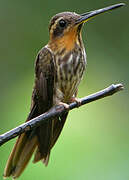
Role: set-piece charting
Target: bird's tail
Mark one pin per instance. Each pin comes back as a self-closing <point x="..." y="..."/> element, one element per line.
<point x="26" y="144"/>
<point x="20" y="155"/>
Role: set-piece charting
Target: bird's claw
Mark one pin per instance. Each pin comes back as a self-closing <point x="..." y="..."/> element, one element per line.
<point x="77" y="100"/>
<point x="66" y="106"/>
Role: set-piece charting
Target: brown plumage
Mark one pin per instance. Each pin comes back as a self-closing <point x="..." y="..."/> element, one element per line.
<point x="59" y="69"/>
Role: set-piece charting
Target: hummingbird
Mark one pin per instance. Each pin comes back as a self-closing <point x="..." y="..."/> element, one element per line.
<point x="59" y="68"/>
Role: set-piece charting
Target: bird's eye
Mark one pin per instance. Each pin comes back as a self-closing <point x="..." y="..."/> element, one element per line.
<point x="62" y="23"/>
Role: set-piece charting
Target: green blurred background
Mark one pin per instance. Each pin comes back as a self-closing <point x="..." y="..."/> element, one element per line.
<point x="94" y="144"/>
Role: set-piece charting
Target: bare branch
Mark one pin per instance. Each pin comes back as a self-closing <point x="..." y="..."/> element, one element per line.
<point x="57" y="111"/>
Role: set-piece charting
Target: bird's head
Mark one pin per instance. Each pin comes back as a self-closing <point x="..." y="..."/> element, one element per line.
<point x="65" y="27"/>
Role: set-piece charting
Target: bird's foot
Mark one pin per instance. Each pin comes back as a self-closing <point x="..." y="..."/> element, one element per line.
<point x="77" y="100"/>
<point x="66" y="106"/>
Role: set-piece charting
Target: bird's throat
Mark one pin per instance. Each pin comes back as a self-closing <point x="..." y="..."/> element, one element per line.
<point x="67" y="41"/>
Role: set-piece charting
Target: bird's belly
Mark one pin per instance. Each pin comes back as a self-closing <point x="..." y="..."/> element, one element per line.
<point x="69" y="75"/>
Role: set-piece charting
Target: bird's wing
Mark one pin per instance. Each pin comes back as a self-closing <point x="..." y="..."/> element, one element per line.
<point x="42" y="100"/>
<point x="49" y="132"/>
<point x="44" y="82"/>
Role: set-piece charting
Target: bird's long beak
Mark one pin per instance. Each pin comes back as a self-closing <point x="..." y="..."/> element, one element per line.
<point x="89" y="15"/>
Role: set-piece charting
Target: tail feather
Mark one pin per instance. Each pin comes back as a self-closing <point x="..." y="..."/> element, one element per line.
<point x="29" y="141"/>
<point x="38" y="156"/>
<point x="20" y="155"/>
<point x="57" y="126"/>
<point x="46" y="159"/>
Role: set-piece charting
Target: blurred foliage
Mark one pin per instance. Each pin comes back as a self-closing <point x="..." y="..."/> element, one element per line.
<point x="94" y="143"/>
